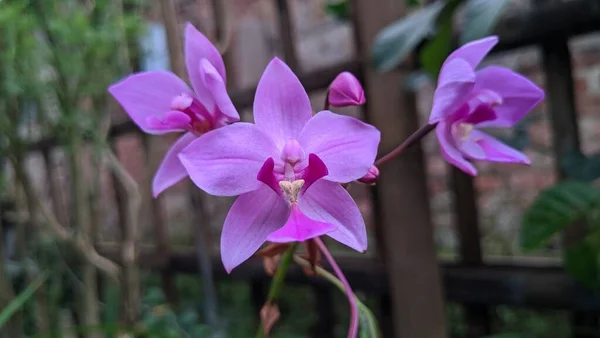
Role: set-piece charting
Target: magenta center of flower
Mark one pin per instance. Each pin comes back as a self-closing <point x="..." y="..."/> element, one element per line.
<point x="186" y="113"/>
<point x="292" y="155"/>
<point x="486" y="97"/>
<point x="200" y="118"/>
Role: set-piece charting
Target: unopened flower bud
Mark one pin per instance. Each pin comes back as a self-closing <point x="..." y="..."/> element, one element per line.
<point x="345" y="90"/>
<point x="371" y="176"/>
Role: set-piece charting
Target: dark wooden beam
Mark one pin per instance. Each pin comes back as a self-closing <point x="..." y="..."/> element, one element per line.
<point x="527" y="285"/>
<point x="548" y="20"/>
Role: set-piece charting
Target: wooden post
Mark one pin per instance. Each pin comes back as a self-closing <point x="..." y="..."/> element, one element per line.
<point x="223" y="36"/>
<point x="560" y="96"/>
<point x="169" y="15"/>
<point x="174" y="41"/>
<point x="467" y="223"/>
<point x="161" y="233"/>
<point x="286" y="34"/>
<point x="403" y="214"/>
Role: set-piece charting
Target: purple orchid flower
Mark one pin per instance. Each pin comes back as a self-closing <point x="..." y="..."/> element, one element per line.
<point x="466" y="99"/>
<point x="286" y="169"/>
<point x="159" y="102"/>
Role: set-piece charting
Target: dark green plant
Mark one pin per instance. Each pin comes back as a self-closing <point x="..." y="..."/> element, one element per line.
<point x="428" y="32"/>
<point x="576" y="200"/>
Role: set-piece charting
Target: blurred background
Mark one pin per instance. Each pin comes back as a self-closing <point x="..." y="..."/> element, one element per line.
<point x="86" y="252"/>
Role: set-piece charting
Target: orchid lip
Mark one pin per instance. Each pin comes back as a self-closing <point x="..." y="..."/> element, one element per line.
<point x="291" y="184"/>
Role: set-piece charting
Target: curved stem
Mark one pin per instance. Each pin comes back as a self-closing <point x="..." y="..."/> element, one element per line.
<point x="362" y="308"/>
<point x="412" y="139"/>
<point x="353" y="330"/>
<point x="278" y="280"/>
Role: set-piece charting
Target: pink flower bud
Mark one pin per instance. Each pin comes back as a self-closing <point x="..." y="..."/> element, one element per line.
<point x="371" y="176"/>
<point x="345" y="90"/>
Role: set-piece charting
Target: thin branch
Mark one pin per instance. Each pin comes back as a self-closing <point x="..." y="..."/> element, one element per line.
<point x="352" y="331"/>
<point x="88" y="252"/>
<point x="132" y="201"/>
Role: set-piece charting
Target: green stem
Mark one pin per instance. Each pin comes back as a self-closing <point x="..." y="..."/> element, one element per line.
<point x="278" y="280"/>
<point x="362" y="308"/>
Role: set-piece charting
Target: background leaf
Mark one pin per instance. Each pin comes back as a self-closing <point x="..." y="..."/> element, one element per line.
<point x="480" y="18"/>
<point x="393" y="44"/>
<point x="435" y="52"/>
<point x="20" y="300"/>
<point x="582" y="261"/>
<point x="556" y="208"/>
<point x="368" y="327"/>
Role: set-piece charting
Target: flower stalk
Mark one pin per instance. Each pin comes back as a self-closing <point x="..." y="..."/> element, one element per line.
<point x="353" y="330"/>
<point x="277" y="282"/>
<point x="412" y="139"/>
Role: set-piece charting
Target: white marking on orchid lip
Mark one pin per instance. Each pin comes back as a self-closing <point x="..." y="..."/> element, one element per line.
<point x="463" y="130"/>
<point x="291" y="189"/>
<point x="182" y="102"/>
<point x="491" y="98"/>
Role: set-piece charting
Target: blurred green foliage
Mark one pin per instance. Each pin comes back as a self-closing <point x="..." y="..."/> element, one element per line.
<point x="428" y="31"/>
<point x="57" y="58"/>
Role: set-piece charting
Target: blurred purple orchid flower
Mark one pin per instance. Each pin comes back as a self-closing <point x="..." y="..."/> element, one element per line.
<point x="345" y="90"/>
<point x="287" y="169"/>
<point x="466" y="99"/>
<point x="159" y="102"/>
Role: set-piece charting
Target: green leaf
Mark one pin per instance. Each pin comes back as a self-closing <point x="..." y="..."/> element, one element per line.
<point x="393" y="44"/>
<point x="21" y="299"/>
<point x="435" y="52"/>
<point x="368" y="327"/>
<point x="480" y="18"/>
<point x="338" y="10"/>
<point x="582" y="261"/>
<point x="556" y="208"/>
<point x="580" y="167"/>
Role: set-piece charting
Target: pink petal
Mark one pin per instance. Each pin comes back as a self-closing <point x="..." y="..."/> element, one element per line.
<point x="215" y="85"/>
<point x="281" y="105"/>
<point x="471" y="150"/>
<point x="299" y="228"/>
<point x="171" y="120"/>
<point x="198" y="47"/>
<point x="149" y="94"/>
<point x="455" y="84"/>
<point x="346" y="145"/>
<point x="171" y="170"/>
<point x="226" y="161"/>
<point x="252" y="217"/>
<point x="519" y="94"/>
<point x="474" y="51"/>
<point x="328" y="202"/>
<point x="449" y="150"/>
<point x="496" y="151"/>
<point x="345" y="90"/>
